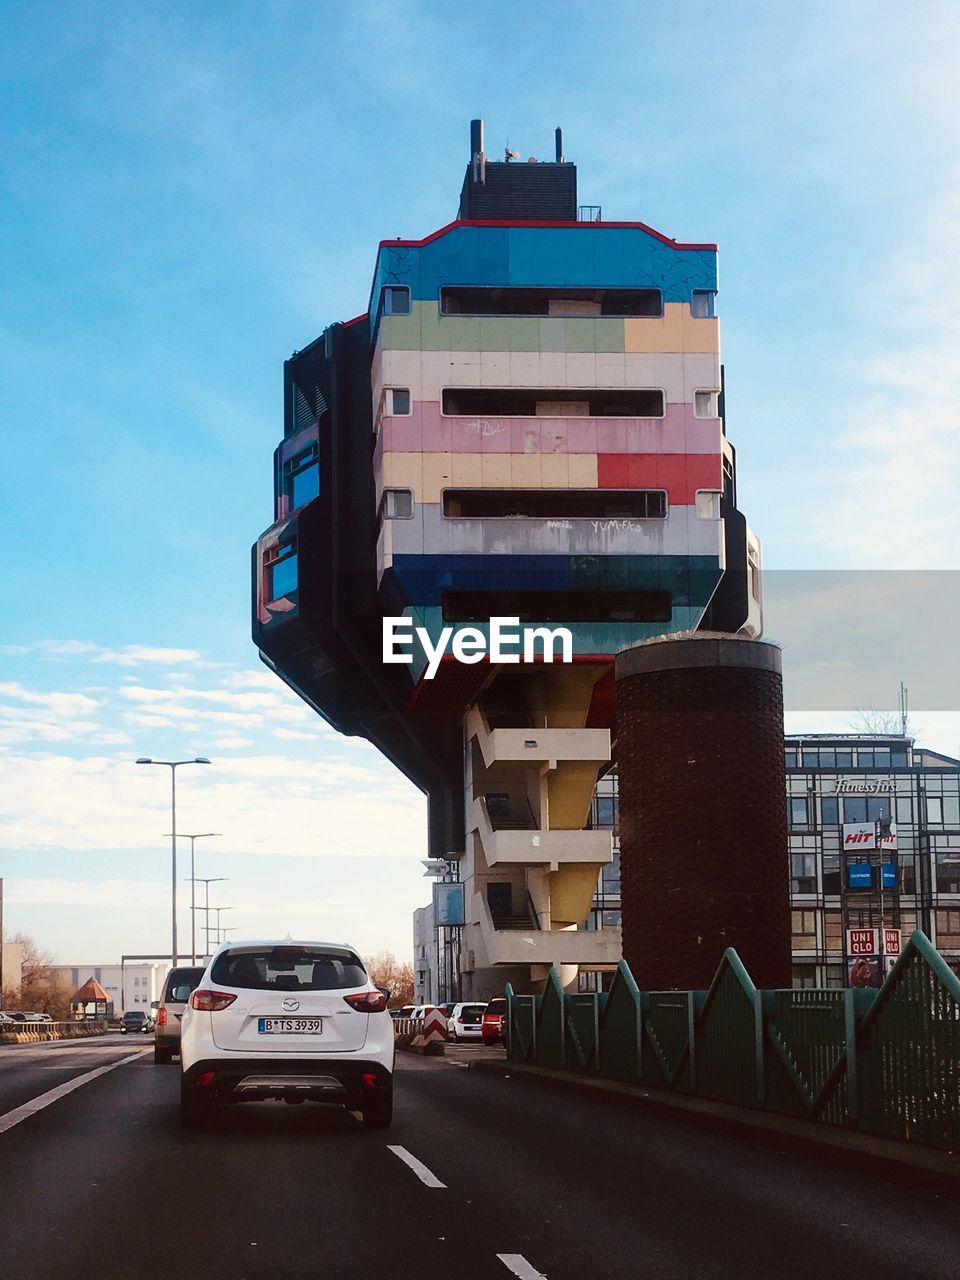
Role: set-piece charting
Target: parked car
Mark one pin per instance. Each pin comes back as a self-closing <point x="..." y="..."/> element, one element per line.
<point x="22" y="1015"/>
<point x="491" y="1026"/>
<point x="179" y="985"/>
<point x="465" y="1021"/>
<point x="293" y="1020"/>
<point x="44" y="1017"/>
<point x="135" y="1020"/>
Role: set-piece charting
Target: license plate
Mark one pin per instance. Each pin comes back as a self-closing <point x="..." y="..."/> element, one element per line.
<point x="290" y="1026"/>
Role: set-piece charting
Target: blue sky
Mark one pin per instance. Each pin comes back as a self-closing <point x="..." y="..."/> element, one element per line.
<point x="189" y="193"/>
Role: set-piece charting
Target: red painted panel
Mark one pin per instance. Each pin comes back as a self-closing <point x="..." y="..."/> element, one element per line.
<point x="681" y="474"/>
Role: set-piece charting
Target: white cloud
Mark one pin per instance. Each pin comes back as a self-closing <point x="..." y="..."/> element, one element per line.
<point x="295" y="735"/>
<point x="134" y="655"/>
<point x="231" y="744"/>
<point x="63" y="704"/>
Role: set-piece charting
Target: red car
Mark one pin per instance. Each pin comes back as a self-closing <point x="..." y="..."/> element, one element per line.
<point x="494" y="1015"/>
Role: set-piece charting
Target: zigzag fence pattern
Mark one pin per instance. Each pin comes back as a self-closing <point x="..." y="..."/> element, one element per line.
<point x="884" y="1062"/>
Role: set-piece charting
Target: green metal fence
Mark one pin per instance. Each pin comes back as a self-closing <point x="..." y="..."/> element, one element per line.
<point x="885" y="1062"/>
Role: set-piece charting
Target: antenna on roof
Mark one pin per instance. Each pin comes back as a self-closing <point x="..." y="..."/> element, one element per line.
<point x="558" y="135"/>
<point x="509" y="154"/>
<point x="478" y="160"/>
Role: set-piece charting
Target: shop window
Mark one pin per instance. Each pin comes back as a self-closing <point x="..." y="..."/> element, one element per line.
<point x="395" y="300"/>
<point x="703" y="304"/>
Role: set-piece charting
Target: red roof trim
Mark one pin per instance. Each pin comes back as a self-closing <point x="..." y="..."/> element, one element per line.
<point x="468" y="222"/>
<point x="345" y="324"/>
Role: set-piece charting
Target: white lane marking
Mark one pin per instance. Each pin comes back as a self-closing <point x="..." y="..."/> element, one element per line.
<point x="53" y="1095"/>
<point x="518" y="1264"/>
<point x="423" y="1173"/>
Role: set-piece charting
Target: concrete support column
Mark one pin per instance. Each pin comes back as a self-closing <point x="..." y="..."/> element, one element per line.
<point x="703" y="826"/>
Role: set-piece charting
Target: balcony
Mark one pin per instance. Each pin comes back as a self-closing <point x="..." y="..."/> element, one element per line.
<point x="537" y="746"/>
<point x="536" y="847"/>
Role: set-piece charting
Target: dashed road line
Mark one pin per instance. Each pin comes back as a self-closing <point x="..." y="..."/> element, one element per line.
<point x="518" y="1264"/>
<point x="419" y="1168"/>
<point x="31" y="1108"/>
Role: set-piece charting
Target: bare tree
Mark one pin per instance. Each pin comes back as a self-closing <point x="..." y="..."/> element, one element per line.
<point x="386" y="970"/>
<point x="877" y="720"/>
<point x="42" y="990"/>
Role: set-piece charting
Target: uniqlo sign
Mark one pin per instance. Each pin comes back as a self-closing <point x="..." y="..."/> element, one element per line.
<point x="864" y="942"/>
<point x="859" y="835"/>
<point x="891" y="942"/>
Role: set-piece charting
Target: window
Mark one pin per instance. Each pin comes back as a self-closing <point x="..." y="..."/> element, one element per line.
<point x="877" y="807"/>
<point x="703" y="304"/>
<point x="904" y="810"/>
<point x="301" y="477"/>
<point x="399" y="401"/>
<point x="935" y="810"/>
<point x="562" y="402"/>
<point x="606" y="811"/>
<point x="803" y="925"/>
<point x="948" y="872"/>
<point x="557" y="504"/>
<point x="811" y="759"/>
<point x="282" y="569"/>
<point x="791" y="759"/>
<point x="865" y="759"/>
<point x="558" y="606"/>
<point x="479" y="301"/>
<point x="828" y="759"/>
<point x="844" y="759"/>
<point x="289" y="968"/>
<point x="832" y="931"/>
<point x="948" y="929"/>
<point x="831" y="873"/>
<point x="803" y="873"/>
<point x="708" y="504"/>
<point x="804" y="977"/>
<point x="610" y="876"/>
<point x="854" y="809"/>
<point x="898" y="757"/>
<point x="835" y="977"/>
<point x="798" y="815"/>
<point x="395" y="300"/>
<point x="829" y="810"/>
<point x="396" y="504"/>
<point x="706" y="404"/>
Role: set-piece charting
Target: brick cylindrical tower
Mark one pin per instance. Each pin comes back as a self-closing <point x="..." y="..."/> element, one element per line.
<point x="703" y="816"/>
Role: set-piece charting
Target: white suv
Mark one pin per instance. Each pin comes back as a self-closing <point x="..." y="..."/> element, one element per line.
<point x="290" y="1020"/>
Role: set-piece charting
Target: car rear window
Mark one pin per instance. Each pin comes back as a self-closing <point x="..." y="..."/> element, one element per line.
<point x="289" y="969"/>
<point x="497" y="1005"/>
<point x="181" y="984"/>
<point x="471" y="1014"/>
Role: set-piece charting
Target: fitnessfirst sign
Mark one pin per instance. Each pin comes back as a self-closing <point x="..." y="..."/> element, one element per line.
<point x="504" y="640"/>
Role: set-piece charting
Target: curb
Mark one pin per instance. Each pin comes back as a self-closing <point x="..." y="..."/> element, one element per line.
<point x="929" y="1167"/>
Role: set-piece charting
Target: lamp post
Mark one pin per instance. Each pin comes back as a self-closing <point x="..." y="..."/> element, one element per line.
<point x="200" y="835"/>
<point x="218" y="910"/>
<point x="207" y="881"/>
<point x="173" y="766"/>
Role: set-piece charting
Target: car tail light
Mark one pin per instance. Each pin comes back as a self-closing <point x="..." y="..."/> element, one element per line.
<point x="161" y="1017"/>
<point x="367" y="1001"/>
<point x="210" y="1001"/>
<point x="461" y="1018"/>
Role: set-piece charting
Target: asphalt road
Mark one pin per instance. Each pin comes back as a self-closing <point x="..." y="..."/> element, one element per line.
<point x="103" y="1184"/>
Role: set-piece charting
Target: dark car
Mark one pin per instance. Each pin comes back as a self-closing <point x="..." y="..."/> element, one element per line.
<point x="135" y="1020"/>
<point x="494" y="1016"/>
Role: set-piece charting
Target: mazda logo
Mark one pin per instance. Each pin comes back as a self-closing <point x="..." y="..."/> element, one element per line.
<point x="290" y="1005"/>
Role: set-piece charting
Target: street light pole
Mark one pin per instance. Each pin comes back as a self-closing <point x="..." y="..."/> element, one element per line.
<point x="207" y="881"/>
<point x="218" y="910"/>
<point x="173" y="766"/>
<point x="200" y="835"/>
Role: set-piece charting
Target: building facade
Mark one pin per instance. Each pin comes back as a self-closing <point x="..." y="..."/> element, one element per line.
<point x="833" y="779"/>
<point x="527" y="422"/>
<point x="129" y="986"/>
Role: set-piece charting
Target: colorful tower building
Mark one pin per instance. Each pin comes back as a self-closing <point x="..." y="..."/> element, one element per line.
<point x="527" y="422"/>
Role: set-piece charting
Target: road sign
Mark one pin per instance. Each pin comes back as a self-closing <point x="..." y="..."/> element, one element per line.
<point x="448" y="904"/>
<point x="863" y="942"/>
<point x="434" y="1027"/>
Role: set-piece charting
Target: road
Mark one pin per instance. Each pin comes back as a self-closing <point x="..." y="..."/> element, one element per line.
<point x="103" y="1184"/>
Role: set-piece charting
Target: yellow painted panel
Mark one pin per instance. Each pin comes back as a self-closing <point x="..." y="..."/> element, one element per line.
<point x="525" y="471"/>
<point x="437" y="475"/>
<point x="571" y="892"/>
<point x="495" y="470"/>
<point x="675" y="331"/>
<point x="465" y="472"/>
<point x="555" y="470"/>
<point x="402" y="471"/>
<point x="582" y="470"/>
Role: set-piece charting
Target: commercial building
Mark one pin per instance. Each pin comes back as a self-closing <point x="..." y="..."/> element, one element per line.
<point x="832" y="779"/>
<point x="528" y="421"/>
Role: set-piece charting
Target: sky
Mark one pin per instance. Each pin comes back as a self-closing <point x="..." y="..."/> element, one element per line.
<point x="189" y="193"/>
